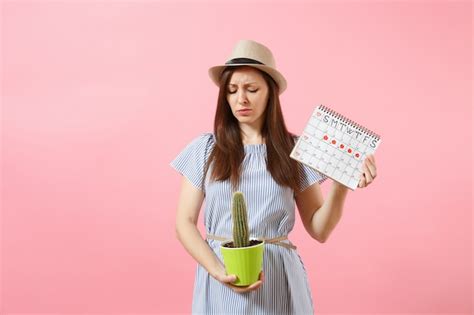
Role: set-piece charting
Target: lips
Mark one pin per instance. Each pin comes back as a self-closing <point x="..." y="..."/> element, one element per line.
<point x="244" y="112"/>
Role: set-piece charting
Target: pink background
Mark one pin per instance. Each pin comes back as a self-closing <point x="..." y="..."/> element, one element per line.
<point x="99" y="96"/>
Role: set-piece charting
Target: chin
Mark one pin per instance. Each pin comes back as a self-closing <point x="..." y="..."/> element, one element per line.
<point x="245" y="120"/>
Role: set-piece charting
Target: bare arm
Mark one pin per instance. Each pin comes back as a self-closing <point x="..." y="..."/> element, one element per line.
<point x="320" y="216"/>
<point x="189" y="205"/>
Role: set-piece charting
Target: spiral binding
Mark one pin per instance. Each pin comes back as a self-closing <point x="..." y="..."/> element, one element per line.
<point x="350" y="122"/>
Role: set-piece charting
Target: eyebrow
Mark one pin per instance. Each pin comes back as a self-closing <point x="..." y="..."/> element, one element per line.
<point x="249" y="83"/>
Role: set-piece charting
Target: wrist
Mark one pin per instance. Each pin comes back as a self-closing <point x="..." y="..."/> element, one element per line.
<point x="216" y="270"/>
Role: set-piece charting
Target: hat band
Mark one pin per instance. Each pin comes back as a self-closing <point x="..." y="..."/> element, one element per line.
<point x="243" y="60"/>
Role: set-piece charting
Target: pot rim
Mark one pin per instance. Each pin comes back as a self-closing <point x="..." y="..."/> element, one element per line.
<point x="234" y="248"/>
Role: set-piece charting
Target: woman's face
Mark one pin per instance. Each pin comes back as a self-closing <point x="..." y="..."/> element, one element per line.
<point x="247" y="95"/>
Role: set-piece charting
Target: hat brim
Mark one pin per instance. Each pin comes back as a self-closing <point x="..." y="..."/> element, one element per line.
<point x="216" y="71"/>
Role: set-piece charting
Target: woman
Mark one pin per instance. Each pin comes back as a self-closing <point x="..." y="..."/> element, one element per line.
<point x="249" y="152"/>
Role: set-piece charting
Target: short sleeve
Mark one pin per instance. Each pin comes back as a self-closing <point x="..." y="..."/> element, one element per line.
<point x="308" y="175"/>
<point x="190" y="162"/>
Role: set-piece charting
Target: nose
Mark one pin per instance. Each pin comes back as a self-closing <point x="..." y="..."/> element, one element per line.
<point x="242" y="97"/>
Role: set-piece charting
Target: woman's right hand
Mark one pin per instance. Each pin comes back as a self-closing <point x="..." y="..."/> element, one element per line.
<point x="227" y="280"/>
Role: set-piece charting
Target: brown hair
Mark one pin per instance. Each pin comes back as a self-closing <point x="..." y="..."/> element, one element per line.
<point x="228" y="152"/>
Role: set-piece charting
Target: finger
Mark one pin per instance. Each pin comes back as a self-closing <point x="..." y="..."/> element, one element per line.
<point x="229" y="278"/>
<point x="362" y="182"/>
<point x="252" y="287"/>
<point x="261" y="276"/>
<point x="368" y="157"/>
<point x="255" y="285"/>
<point x="240" y="289"/>
<point x="371" y="168"/>
<point x="368" y="176"/>
<point x="372" y="158"/>
<point x="235" y="288"/>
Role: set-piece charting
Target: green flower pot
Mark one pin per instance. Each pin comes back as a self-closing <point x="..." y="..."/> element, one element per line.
<point x="245" y="262"/>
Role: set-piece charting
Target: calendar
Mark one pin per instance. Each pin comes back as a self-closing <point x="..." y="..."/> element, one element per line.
<point x="335" y="146"/>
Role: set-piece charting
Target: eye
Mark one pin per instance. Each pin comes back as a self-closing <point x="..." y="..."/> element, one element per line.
<point x="253" y="91"/>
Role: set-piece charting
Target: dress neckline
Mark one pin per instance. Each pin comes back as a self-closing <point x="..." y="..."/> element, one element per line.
<point x="261" y="147"/>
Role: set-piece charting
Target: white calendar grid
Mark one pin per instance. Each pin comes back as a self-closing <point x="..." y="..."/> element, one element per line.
<point x="333" y="152"/>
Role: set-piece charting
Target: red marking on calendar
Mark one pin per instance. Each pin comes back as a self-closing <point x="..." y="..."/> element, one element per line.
<point x="334" y="154"/>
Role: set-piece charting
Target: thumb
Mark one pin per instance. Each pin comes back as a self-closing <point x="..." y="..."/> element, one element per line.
<point x="229" y="278"/>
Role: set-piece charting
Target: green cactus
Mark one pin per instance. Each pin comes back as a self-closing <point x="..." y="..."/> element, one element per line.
<point x="239" y="217"/>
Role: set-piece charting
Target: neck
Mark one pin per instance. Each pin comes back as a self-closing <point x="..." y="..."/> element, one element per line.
<point x="251" y="135"/>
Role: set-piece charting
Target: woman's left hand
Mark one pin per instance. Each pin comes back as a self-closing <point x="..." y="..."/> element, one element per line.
<point x="369" y="171"/>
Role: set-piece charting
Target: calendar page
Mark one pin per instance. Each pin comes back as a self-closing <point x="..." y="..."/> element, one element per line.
<point x="335" y="146"/>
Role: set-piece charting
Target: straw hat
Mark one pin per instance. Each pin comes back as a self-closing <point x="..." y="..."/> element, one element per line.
<point x="253" y="54"/>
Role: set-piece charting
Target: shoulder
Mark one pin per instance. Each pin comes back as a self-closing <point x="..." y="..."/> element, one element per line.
<point x="205" y="139"/>
<point x="196" y="151"/>
<point x="191" y="161"/>
<point x="201" y="144"/>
